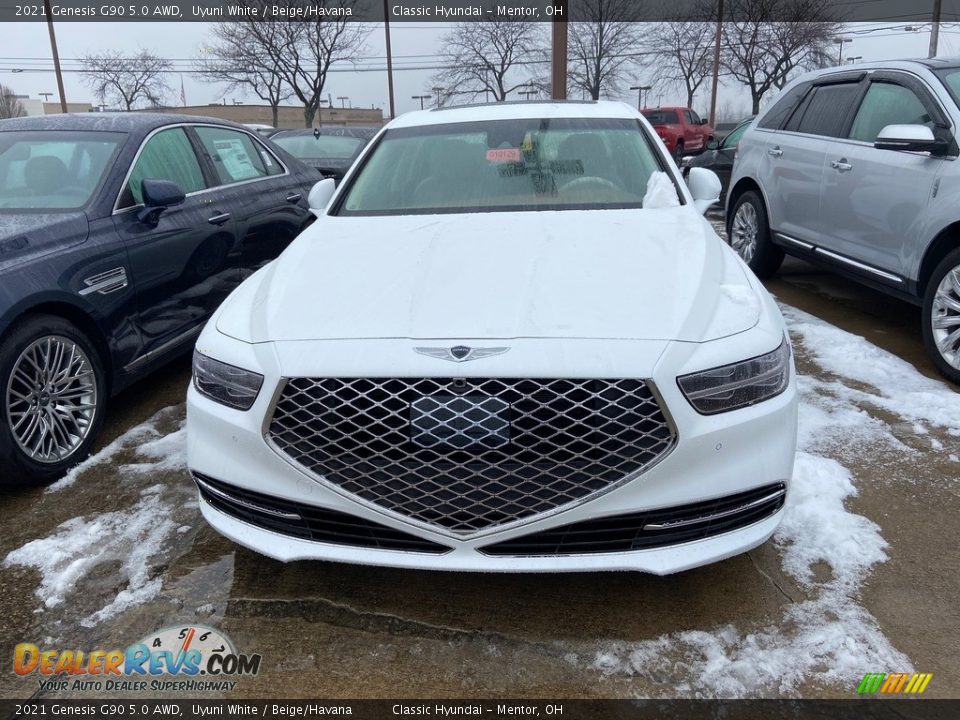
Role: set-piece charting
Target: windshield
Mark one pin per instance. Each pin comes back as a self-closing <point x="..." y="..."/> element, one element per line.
<point x="53" y="170"/>
<point x="308" y="147"/>
<point x="951" y="78"/>
<point x="510" y="165"/>
<point x="661" y="117"/>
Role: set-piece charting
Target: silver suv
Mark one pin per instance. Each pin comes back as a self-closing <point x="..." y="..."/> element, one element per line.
<point x="855" y="168"/>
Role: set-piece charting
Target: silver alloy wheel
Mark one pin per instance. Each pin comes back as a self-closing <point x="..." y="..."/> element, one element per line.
<point x="51" y="399"/>
<point x="945" y="320"/>
<point x="743" y="232"/>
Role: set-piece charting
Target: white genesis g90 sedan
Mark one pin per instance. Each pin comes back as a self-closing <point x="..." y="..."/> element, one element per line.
<point x="510" y="342"/>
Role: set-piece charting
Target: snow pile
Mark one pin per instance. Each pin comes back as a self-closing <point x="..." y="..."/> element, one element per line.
<point x="127" y="539"/>
<point x="829" y="638"/>
<point x="899" y="387"/>
<point x="82" y="544"/>
<point x="661" y="192"/>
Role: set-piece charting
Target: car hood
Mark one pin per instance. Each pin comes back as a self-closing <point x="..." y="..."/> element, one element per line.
<point x="27" y="235"/>
<point x="658" y="274"/>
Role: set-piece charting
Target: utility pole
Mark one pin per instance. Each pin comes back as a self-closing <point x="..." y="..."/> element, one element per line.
<point x="716" y="64"/>
<point x="935" y="29"/>
<point x="56" y="55"/>
<point x="558" y="74"/>
<point x="386" y="30"/>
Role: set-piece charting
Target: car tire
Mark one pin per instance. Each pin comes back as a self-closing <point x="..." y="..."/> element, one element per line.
<point x="941" y="316"/>
<point x="678" y="152"/>
<point x="53" y="395"/>
<point x="749" y="235"/>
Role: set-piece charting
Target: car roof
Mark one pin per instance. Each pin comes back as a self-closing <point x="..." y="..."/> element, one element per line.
<point x="360" y="132"/>
<point x="107" y="121"/>
<point x="520" y="110"/>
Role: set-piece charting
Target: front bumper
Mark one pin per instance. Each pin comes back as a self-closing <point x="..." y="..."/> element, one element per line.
<point x="715" y="457"/>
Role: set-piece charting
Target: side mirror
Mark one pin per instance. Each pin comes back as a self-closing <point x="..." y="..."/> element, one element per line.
<point x="158" y="195"/>
<point x="704" y="121"/>
<point x="705" y="188"/>
<point x="908" y="138"/>
<point x="713" y="145"/>
<point x="320" y="195"/>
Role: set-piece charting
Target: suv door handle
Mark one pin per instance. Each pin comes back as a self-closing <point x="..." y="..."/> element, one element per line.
<point x="841" y="165"/>
<point x="294" y="197"/>
<point x="775" y="151"/>
<point x="219" y="219"/>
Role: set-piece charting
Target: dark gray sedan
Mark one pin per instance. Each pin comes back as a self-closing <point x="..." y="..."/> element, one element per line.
<point x="120" y="234"/>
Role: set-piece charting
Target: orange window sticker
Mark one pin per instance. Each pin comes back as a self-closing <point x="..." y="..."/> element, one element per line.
<point x="503" y="155"/>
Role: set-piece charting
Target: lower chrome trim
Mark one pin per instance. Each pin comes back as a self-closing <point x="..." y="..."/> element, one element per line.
<point x="191" y="334"/>
<point x="244" y="503"/>
<point x="716" y="516"/>
<point x="793" y="241"/>
<point x="859" y="265"/>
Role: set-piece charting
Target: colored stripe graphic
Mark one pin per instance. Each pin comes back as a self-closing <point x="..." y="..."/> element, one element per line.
<point x="894" y="683"/>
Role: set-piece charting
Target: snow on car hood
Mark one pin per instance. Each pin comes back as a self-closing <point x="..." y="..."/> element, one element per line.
<point x="622" y="274"/>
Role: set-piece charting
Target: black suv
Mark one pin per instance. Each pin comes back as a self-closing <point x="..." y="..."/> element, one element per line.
<point x="119" y="236"/>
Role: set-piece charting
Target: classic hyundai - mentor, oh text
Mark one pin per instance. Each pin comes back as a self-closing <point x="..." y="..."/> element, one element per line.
<point x="510" y="342"/>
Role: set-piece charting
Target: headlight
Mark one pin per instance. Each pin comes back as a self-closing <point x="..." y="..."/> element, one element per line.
<point x="739" y="384"/>
<point x="226" y="384"/>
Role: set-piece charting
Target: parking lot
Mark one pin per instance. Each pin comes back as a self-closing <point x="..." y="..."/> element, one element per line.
<point x="861" y="577"/>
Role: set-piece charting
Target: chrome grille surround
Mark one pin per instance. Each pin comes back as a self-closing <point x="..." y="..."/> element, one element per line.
<point x="566" y="441"/>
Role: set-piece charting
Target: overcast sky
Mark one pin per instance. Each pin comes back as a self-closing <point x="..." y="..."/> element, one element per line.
<point x="27" y="44"/>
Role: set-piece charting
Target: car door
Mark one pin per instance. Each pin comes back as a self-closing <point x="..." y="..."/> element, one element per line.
<point x="873" y="201"/>
<point x="264" y="197"/>
<point x="725" y="154"/>
<point x="793" y="164"/>
<point x="186" y="262"/>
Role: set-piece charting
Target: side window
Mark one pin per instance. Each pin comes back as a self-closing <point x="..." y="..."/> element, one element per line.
<point x="733" y="138"/>
<point x="827" y="110"/>
<point x="776" y="116"/>
<point x="168" y="155"/>
<point x="887" y="104"/>
<point x="234" y="155"/>
<point x="693" y="118"/>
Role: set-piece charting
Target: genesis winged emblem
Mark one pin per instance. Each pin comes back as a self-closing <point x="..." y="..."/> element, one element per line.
<point x="460" y="353"/>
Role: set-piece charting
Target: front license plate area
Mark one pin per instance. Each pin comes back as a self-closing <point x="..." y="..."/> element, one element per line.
<point x="460" y="421"/>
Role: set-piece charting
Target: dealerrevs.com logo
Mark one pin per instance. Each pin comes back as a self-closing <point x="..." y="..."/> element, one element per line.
<point x="190" y="658"/>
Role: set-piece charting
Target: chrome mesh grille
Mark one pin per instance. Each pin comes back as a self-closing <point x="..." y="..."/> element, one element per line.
<point x="467" y="454"/>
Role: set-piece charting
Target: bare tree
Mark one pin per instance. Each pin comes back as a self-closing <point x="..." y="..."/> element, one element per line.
<point x="684" y="51"/>
<point x="302" y="52"/>
<point x="10" y="105"/>
<point x="244" y="55"/>
<point x="768" y="39"/>
<point x="604" y="44"/>
<point x="128" y="81"/>
<point x="489" y="57"/>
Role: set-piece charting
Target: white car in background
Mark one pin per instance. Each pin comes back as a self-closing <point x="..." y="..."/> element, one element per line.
<point x="510" y="342"/>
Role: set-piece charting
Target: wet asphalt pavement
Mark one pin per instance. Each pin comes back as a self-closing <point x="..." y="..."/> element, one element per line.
<point x="327" y="630"/>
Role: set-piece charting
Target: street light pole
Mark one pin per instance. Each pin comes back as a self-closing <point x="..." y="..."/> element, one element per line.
<point x="640" y="89"/>
<point x="421" y="98"/>
<point x="438" y="90"/>
<point x="840" y="41"/>
<point x="56" y="55"/>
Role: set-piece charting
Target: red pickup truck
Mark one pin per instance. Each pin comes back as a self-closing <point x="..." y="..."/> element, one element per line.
<point x="681" y="129"/>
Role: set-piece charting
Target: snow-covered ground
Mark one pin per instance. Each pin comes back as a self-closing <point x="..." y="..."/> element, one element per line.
<point x="825" y="638"/>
